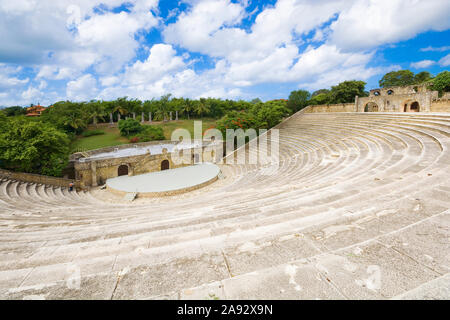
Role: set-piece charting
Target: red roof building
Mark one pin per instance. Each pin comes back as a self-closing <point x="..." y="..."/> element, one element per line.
<point x="35" y="111"/>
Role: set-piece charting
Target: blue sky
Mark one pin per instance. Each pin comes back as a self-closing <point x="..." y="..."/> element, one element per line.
<point x="238" y="49"/>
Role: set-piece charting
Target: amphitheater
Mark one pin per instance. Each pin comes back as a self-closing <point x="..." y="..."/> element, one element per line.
<point x="359" y="209"/>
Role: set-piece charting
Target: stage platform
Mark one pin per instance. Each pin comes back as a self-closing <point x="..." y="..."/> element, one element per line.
<point x="167" y="182"/>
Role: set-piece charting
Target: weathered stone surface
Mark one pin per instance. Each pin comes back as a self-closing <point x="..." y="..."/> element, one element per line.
<point x="357" y="209"/>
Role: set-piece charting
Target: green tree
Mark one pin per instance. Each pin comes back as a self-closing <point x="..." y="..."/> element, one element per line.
<point x="149" y="133"/>
<point x="422" y="77"/>
<point x="236" y="120"/>
<point x="121" y="106"/>
<point x="441" y="82"/>
<point x="202" y="107"/>
<point x="67" y="116"/>
<point x="129" y="127"/>
<point x="3" y="122"/>
<point x="397" y="78"/>
<point x="298" y="100"/>
<point x="187" y="107"/>
<point x="321" y="98"/>
<point x="14" y="111"/>
<point x="95" y="110"/>
<point x="269" y="114"/>
<point x="320" y="91"/>
<point x="346" y="91"/>
<point x="35" y="147"/>
<point x="163" y="107"/>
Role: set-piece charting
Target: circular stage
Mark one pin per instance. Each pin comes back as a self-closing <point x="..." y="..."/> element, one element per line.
<point x="167" y="182"/>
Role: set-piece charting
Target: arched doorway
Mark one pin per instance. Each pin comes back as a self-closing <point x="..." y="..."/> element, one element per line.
<point x="371" y="107"/>
<point x="414" y="107"/>
<point x="123" y="170"/>
<point x="165" y="165"/>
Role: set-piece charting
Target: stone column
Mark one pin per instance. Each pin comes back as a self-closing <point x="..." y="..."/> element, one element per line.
<point x="170" y="116"/>
<point x="134" y="115"/>
<point x="130" y="170"/>
<point x="94" y="173"/>
<point x="356" y="103"/>
<point x="382" y="106"/>
<point x="111" y="121"/>
<point x="118" y="117"/>
<point x="149" y="117"/>
<point x="142" y="117"/>
<point x="176" y="115"/>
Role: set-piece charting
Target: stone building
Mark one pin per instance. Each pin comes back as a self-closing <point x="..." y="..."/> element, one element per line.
<point x="35" y="111"/>
<point x="397" y="99"/>
<point x="415" y="98"/>
<point x="92" y="170"/>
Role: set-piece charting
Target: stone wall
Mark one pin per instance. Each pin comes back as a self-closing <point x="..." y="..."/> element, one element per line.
<point x="95" y="172"/>
<point x="441" y="105"/>
<point x="89" y="153"/>
<point x="396" y="102"/>
<point x="396" y="99"/>
<point x="340" y="107"/>
<point x="36" y="178"/>
<point x="165" y="193"/>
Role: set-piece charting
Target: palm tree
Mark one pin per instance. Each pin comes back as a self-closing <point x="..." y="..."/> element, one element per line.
<point x="120" y="105"/>
<point x="202" y="107"/>
<point x="74" y="120"/>
<point x="95" y="110"/>
<point x="187" y="107"/>
<point x="163" y="106"/>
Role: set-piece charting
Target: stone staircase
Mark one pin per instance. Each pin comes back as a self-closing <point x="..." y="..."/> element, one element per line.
<point x="359" y="208"/>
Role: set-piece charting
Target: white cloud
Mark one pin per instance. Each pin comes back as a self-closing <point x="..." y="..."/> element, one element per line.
<point x="370" y="23"/>
<point x="7" y="78"/>
<point x="165" y="72"/>
<point x="32" y="94"/>
<point x="192" y="30"/>
<point x="438" y="49"/>
<point x="83" y="88"/>
<point x="64" y="39"/>
<point x="422" y="64"/>
<point x="310" y="43"/>
<point x="445" y="61"/>
<point x="161" y="61"/>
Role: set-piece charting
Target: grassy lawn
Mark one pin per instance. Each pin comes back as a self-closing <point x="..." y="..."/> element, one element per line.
<point x="169" y="127"/>
<point x="112" y="136"/>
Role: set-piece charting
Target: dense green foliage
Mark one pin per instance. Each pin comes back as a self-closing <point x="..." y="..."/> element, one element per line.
<point x="422" y="77"/>
<point x="33" y="147"/>
<point x="40" y="144"/>
<point x="129" y="127"/>
<point x="298" y="100"/>
<point x="346" y="91"/>
<point x="404" y="78"/>
<point x="90" y="133"/>
<point x="259" y="116"/>
<point x="397" y="78"/>
<point x="140" y="133"/>
<point x="441" y="82"/>
<point x="148" y="133"/>
<point x="14" y="111"/>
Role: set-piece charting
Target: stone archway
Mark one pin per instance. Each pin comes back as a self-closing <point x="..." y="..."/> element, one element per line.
<point x="371" y="107"/>
<point x="411" y="106"/>
<point x="122" y="170"/>
<point x="165" y="165"/>
<point x="414" y="107"/>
